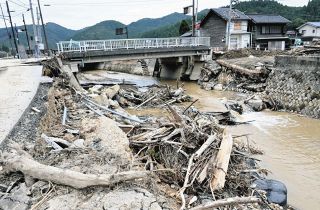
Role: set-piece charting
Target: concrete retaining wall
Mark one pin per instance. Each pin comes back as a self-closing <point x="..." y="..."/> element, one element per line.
<point x="295" y="84"/>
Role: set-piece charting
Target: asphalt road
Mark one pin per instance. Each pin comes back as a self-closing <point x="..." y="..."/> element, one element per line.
<point x="18" y="86"/>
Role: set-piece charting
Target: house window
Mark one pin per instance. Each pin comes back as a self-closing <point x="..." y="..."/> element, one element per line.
<point x="237" y="25"/>
<point x="314" y="31"/>
<point x="303" y="32"/>
<point x="271" y="29"/>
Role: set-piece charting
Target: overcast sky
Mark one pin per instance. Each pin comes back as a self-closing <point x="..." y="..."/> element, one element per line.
<point x="76" y="14"/>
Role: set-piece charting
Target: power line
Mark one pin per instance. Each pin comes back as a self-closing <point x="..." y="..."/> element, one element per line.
<point x="18" y="4"/>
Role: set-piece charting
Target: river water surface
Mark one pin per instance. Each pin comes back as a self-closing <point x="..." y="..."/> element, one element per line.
<point x="291" y="143"/>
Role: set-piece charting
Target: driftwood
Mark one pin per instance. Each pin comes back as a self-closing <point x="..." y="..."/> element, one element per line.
<point x="205" y="146"/>
<point x="222" y="162"/>
<point x="21" y="161"/>
<point x="241" y="70"/>
<point x="113" y="112"/>
<point x="148" y="100"/>
<point x="226" y="202"/>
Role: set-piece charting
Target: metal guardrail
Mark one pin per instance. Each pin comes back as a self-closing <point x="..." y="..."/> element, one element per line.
<point x="117" y="44"/>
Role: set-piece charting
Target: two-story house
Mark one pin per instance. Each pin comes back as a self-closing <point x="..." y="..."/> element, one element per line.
<point x="310" y="31"/>
<point x="215" y="25"/>
<point x="269" y="31"/>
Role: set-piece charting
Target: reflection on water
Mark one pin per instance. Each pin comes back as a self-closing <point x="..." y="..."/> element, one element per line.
<point x="291" y="143"/>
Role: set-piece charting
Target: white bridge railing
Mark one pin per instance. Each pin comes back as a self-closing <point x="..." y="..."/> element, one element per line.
<point x="117" y="44"/>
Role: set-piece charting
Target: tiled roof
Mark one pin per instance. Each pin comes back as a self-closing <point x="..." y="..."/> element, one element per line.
<point x="236" y="14"/>
<point x="268" y="19"/>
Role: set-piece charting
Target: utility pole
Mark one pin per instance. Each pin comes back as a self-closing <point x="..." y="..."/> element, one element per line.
<point x="12" y="29"/>
<point x="193" y="18"/>
<point x="15" y="26"/>
<point x="38" y="26"/>
<point x="36" y="46"/>
<point x="5" y="23"/>
<point x="44" y="28"/>
<point x="228" y="37"/>
<point x="26" y="30"/>
<point x="229" y="26"/>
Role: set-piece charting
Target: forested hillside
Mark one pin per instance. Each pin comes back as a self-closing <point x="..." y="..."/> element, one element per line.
<point x="168" y="26"/>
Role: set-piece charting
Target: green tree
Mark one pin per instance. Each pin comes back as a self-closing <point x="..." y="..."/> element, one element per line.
<point x="184" y="27"/>
<point x="296" y="23"/>
<point x="5" y="48"/>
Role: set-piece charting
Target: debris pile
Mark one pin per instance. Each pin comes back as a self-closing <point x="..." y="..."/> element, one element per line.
<point x="90" y="151"/>
<point x="224" y="75"/>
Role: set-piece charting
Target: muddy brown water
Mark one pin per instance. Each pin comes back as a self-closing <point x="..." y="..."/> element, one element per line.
<point x="291" y="143"/>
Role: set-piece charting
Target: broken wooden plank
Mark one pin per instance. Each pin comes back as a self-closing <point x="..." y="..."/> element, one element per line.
<point x="50" y="141"/>
<point x="64" y="117"/>
<point x="113" y="112"/>
<point x="227" y="202"/>
<point x="147" y="101"/>
<point x="205" y="146"/>
<point x="222" y="162"/>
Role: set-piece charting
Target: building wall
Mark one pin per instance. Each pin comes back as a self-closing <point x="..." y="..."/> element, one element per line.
<point x="243" y="41"/>
<point x="309" y="31"/>
<point x="215" y="28"/>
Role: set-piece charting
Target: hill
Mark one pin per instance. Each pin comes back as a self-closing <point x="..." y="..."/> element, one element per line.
<point x="102" y="30"/>
<point x="106" y="29"/>
<point x="55" y="33"/>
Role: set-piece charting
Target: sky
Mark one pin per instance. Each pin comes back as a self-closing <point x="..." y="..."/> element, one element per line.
<point x="77" y="14"/>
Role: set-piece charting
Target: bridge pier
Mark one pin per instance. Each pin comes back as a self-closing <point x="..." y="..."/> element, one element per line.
<point x="186" y="67"/>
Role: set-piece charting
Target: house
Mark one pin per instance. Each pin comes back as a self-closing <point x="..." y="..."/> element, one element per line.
<point x="215" y="26"/>
<point x="310" y="31"/>
<point x="269" y="31"/>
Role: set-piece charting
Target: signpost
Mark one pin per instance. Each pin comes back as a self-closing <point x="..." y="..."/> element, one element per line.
<point x="121" y="31"/>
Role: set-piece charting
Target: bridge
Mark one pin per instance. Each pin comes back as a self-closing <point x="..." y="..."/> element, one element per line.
<point x="80" y="53"/>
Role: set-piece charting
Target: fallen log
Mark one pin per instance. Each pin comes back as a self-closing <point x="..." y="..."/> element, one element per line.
<point x="226" y="202"/>
<point x="222" y="162"/>
<point x="21" y="161"/>
<point x="244" y="71"/>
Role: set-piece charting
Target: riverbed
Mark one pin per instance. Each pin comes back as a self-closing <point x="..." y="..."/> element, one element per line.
<point x="291" y="143"/>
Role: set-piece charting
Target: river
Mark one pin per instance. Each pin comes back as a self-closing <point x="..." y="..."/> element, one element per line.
<point x="291" y="143"/>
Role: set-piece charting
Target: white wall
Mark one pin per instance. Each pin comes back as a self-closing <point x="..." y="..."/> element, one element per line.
<point x="243" y="41"/>
<point x="309" y="31"/>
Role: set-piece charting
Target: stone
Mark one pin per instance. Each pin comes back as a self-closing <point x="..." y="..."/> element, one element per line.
<point x="104" y="135"/>
<point x="17" y="199"/>
<point x="218" y="87"/>
<point x="276" y="190"/>
<point x="256" y="104"/>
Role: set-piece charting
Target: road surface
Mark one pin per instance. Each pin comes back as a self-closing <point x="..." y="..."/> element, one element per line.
<point x="18" y="86"/>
